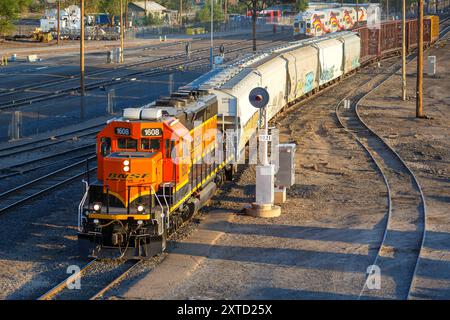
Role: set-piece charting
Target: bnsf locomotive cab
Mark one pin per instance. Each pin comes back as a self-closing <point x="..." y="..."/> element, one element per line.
<point x="152" y="174"/>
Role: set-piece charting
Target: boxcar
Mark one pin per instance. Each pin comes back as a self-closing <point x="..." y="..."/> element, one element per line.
<point x="377" y="43"/>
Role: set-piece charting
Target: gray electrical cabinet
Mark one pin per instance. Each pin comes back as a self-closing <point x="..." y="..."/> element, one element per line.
<point x="285" y="177"/>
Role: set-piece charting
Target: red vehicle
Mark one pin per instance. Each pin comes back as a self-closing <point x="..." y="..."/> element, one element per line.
<point x="271" y="15"/>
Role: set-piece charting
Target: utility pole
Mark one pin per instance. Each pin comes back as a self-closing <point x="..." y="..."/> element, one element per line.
<point x="122" y="30"/>
<point x="82" y="49"/>
<point x="59" y="22"/>
<point x="387" y="9"/>
<point x="404" y="50"/>
<point x="254" y="2"/>
<point x="357" y="13"/>
<point x="126" y="14"/>
<point x="225" y="10"/>
<point x="419" y="89"/>
<point x="212" y="35"/>
<point x="181" y="13"/>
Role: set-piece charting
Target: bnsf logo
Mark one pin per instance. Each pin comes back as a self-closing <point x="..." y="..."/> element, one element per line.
<point x="125" y="176"/>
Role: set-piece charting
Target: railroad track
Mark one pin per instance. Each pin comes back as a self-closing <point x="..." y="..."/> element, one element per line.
<point x="30" y="190"/>
<point x="46" y="142"/>
<point x="404" y="234"/>
<point x="95" y="278"/>
<point x="177" y="61"/>
<point x="96" y="73"/>
<point x="48" y="161"/>
<point x="6" y="92"/>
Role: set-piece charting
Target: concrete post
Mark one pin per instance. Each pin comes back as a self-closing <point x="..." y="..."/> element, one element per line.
<point x="16" y="125"/>
<point x="111" y="101"/>
<point x="170" y="83"/>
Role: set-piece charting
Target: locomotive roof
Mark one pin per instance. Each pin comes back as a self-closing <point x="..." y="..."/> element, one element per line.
<point x="179" y="103"/>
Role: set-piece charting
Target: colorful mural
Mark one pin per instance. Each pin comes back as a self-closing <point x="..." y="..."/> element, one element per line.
<point x="318" y="25"/>
<point x="309" y="82"/>
<point x="348" y="20"/>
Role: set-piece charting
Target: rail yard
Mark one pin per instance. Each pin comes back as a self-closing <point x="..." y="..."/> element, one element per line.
<point x="283" y="166"/>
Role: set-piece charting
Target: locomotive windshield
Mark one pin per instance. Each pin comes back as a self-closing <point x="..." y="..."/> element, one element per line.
<point x="150" y="144"/>
<point x="127" y="144"/>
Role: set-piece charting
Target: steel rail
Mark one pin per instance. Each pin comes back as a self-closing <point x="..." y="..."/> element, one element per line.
<point x="369" y="151"/>
<point x="63" y="284"/>
<point x="400" y="159"/>
<point x="50" y="156"/>
<point x="22" y="171"/>
<point x="69" y="135"/>
<point x="101" y="293"/>
<point x="45" y="190"/>
<point x="414" y="179"/>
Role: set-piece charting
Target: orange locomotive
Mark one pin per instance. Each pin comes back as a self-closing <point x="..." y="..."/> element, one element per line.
<point x="157" y="165"/>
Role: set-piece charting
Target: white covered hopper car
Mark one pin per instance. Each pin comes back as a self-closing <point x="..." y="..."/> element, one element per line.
<point x="288" y="72"/>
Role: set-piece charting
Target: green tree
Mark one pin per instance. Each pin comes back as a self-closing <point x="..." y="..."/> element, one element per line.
<point x="91" y="6"/>
<point x="239" y="8"/>
<point x="175" y="4"/>
<point x="152" y="20"/>
<point x="10" y="11"/>
<point x="301" y="5"/>
<point x="204" y="14"/>
<point x="111" y="8"/>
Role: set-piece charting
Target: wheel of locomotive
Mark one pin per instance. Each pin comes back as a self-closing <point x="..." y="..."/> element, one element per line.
<point x="230" y="169"/>
<point x="158" y="244"/>
<point x="219" y="179"/>
<point x="177" y="222"/>
<point x="164" y="241"/>
<point x="191" y="209"/>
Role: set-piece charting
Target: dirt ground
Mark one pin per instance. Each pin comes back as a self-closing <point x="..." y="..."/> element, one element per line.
<point x="332" y="223"/>
<point x="425" y="145"/>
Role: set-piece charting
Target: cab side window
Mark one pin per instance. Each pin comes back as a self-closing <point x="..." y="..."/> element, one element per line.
<point x="105" y="146"/>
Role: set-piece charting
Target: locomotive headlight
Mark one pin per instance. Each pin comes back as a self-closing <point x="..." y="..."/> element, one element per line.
<point x="126" y="162"/>
<point x="126" y="168"/>
<point x="97" y="207"/>
<point x="96" y="221"/>
<point x="140" y="222"/>
<point x="140" y="208"/>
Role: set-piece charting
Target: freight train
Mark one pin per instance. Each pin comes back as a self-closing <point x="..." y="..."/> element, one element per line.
<point x="160" y="163"/>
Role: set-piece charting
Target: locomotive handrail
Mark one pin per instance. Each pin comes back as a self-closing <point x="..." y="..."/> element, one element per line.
<point x="156" y="196"/>
<point x="167" y="204"/>
<point x="81" y="205"/>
